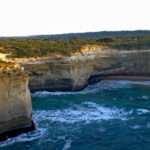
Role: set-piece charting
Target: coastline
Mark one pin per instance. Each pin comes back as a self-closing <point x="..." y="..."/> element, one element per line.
<point x="94" y="80"/>
<point x="70" y="73"/>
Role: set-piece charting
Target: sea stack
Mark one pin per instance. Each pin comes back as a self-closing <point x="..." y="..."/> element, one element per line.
<point x="15" y="101"/>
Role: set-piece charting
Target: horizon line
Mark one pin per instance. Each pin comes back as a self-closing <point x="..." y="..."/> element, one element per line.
<point x="68" y="33"/>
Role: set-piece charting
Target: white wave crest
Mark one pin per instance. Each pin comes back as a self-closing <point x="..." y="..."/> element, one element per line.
<point x="86" y="112"/>
<point x="67" y="144"/>
<point x="135" y="127"/>
<point x="141" y="111"/>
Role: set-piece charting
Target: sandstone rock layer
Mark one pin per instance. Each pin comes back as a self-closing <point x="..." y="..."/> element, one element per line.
<point x="15" y="101"/>
<point x="92" y="64"/>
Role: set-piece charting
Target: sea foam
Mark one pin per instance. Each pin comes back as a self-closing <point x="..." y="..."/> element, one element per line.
<point x="86" y="112"/>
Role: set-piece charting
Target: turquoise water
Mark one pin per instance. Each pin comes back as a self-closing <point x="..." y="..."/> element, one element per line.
<point x="110" y="115"/>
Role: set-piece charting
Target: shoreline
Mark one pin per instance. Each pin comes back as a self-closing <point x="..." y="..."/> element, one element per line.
<point x="94" y="80"/>
<point x="98" y="78"/>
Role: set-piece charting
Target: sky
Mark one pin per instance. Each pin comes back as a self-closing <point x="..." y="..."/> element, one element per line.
<point x="34" y="17"/>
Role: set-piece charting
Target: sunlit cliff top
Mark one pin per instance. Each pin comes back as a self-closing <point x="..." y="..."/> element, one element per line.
<point x="27" y="48"/>
<point x="9" y="68"/>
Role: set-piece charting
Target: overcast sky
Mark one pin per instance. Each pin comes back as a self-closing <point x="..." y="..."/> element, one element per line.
<point x="32" y="17"/>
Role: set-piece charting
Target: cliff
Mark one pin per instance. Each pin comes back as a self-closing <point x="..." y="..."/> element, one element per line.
<point x="90" y="64"/>
<point x="15" y="101"/>
<point x="63" y="65"/>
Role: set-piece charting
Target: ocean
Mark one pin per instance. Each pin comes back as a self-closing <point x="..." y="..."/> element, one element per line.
<point x="109" y="115"/>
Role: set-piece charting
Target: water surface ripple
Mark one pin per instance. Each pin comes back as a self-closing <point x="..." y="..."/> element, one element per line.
<point x="110" y="115"/>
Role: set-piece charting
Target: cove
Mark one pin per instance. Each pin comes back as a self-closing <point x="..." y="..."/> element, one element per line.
<point x="107" y="115"/>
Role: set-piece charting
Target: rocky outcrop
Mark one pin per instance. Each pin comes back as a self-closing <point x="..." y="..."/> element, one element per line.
<point x="15" y="101"/>
<point x="91" y="64"/>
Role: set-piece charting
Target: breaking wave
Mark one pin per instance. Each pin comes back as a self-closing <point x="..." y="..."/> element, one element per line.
<point x="86" y="112"/>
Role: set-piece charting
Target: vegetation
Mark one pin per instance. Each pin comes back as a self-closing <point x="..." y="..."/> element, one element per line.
<point x="10" y="68"/>
<point x="19" y="47"/>
<point x="38" y="48"/>
<point x="127" y="43"/>
<point x="89" y="35"/>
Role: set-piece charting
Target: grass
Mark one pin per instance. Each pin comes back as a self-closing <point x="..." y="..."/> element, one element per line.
<point x="24" y="48"/>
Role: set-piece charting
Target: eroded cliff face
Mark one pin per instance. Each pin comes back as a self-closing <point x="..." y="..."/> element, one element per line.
<point x="15" y="101"/>
<point x="91" y="64"/>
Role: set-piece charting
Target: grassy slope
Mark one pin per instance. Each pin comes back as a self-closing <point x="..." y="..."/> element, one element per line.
<point x="38" y="47"/>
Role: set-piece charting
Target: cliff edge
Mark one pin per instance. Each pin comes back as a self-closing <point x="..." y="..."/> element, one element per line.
<point x="89" y="65"/>
<point x="15" y="101"/>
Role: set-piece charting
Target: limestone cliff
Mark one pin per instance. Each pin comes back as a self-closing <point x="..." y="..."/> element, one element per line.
<point x="15" y="101"/>
<point x="91" y="64"/>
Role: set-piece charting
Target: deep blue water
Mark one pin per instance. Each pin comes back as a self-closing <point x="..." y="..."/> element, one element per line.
<point x="110" y="115"/>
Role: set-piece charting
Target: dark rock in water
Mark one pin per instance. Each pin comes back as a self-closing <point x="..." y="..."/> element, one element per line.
<point x="4" y="136"/>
